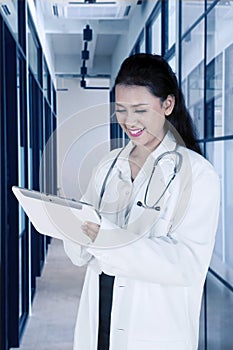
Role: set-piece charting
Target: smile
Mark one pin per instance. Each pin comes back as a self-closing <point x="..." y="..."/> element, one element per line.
<point x="135" y="132"/>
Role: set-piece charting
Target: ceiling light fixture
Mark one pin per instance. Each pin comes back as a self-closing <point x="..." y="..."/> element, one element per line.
<point x="55" y="10"/>
<point x="89" y="1"/>
<point x="85" y="54"/>
<point x="87" y="33"/>
<point x="6" y="9"/>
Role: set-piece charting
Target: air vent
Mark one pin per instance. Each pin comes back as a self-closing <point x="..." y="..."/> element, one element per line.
<point x="98" y="9"/>
<point x="91" y="11"/>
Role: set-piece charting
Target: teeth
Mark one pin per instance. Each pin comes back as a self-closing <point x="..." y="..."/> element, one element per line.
<point x="134" y="132"/>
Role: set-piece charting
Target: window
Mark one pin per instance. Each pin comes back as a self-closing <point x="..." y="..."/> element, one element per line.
<point x="214" y="101"/>
<point x="33" y="50"/>
<point x="191" y="11"/>
<point x="154" y="32"/>
<point x="219" y="62"/>
<point x="220" y="155"/>
<point x="172" y="63"/>
<point x="193" y="75"/>
<point x="172" y="7"/>
<point x="228" y="102"/>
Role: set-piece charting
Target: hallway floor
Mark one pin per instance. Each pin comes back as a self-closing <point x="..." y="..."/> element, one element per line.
<point x="54" y="309"/>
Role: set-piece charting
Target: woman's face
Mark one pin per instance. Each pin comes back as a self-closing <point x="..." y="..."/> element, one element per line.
<point x="142" y="115"/>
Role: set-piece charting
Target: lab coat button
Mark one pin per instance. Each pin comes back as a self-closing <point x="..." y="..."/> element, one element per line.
<point x="120" y="329"/>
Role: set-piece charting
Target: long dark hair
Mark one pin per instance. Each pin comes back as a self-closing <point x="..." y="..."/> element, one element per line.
<point x="153" y="72"/>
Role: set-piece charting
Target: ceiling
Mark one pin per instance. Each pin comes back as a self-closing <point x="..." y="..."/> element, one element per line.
<point x="64" y="22"/>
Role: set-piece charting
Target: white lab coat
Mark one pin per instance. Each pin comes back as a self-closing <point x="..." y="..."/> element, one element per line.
<point x="159" y="276"/>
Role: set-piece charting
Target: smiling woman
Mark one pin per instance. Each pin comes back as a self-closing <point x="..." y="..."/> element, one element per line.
<point x="144" y="122"/>
<point x="145" y="292"/>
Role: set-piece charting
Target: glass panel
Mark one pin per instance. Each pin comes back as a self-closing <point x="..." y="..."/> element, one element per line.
<point x="142" y="44"/>
<point x="220" y="153"/>
<point x="32" y="52"/>
<point x="21" y="175"/>
<point x="214" y="103"/>
<point x="191" y="11"/>
<point x="21" y="148"/>
<point x="20" y="278"/>
<point x="215" y="154"/>
<point x="9" y="10"/>
<point x="156" y="35"/>
<point x="228" y="124"/>
<point x="172" y="6"/>
<point x="193" y="76"/>
<point x="202" y="327"/>
<point x="45" y="78"/>
<point x="172" y="63"/>
<point x="54" y="100"/>
<point x="219" y="315"/>
<point x="228" y="201"/>
<point x="219" y="63"/>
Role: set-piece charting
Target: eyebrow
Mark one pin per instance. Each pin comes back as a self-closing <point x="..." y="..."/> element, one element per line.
<point x="137" y="105"/>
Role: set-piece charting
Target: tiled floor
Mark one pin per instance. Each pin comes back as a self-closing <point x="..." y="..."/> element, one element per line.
<point x="54" y="310"/>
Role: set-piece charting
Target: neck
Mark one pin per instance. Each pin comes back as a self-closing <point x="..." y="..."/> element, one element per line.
<point x="142" y="152"/>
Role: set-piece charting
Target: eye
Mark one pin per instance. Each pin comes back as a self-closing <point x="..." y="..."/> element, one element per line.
<point x="120" y="110"/>
<point x="141" y="111"/>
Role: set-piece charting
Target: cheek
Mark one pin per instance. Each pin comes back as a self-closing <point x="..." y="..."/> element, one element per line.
<point x="120" y="119"/>
<point x="156" y="122"/>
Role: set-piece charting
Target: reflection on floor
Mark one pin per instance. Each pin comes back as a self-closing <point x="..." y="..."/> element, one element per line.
<point x="51" y="325"/>
<point x="54" y="309"/>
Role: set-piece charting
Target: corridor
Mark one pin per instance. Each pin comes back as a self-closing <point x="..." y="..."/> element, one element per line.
<point x="54" y="309"/>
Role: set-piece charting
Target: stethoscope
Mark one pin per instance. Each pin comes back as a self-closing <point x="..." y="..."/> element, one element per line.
<point x="176" y="169"/>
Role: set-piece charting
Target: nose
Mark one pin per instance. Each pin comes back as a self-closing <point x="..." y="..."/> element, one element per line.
<point x="130" y="119"/>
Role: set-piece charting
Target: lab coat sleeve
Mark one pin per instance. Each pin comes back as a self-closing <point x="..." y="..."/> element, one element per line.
<point x="78" y="254"/>
<point x="180" y="258"/>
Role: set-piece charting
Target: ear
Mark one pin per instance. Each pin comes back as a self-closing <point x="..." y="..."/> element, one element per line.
<point x="168" y="105"/>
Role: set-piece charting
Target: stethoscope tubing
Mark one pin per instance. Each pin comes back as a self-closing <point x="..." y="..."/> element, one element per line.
<point x="155" y="206"/>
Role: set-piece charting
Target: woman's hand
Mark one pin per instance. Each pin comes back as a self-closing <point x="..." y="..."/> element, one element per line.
<point x="90" y="229"/>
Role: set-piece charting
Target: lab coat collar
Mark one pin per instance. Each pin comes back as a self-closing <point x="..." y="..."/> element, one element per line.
<point x="168" y="144"/>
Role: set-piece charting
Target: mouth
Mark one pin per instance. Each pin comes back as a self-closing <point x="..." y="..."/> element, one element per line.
<point x="135" y="132"/>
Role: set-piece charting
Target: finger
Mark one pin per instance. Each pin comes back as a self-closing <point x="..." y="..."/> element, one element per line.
<point x="84" y="227"/>
<point x="90" y="229"/>
<point x="92" y="226"/>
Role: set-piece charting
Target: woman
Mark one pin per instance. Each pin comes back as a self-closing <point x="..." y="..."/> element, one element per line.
<point x="159" y="206"/>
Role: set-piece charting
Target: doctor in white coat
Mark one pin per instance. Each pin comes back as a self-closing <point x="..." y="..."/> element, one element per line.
<point x="159" y="204"/>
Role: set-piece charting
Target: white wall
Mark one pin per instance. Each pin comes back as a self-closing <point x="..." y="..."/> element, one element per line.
<point x="83" y="133"/>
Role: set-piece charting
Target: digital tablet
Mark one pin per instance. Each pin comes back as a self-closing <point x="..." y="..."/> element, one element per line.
<point x="56" y="216"/>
